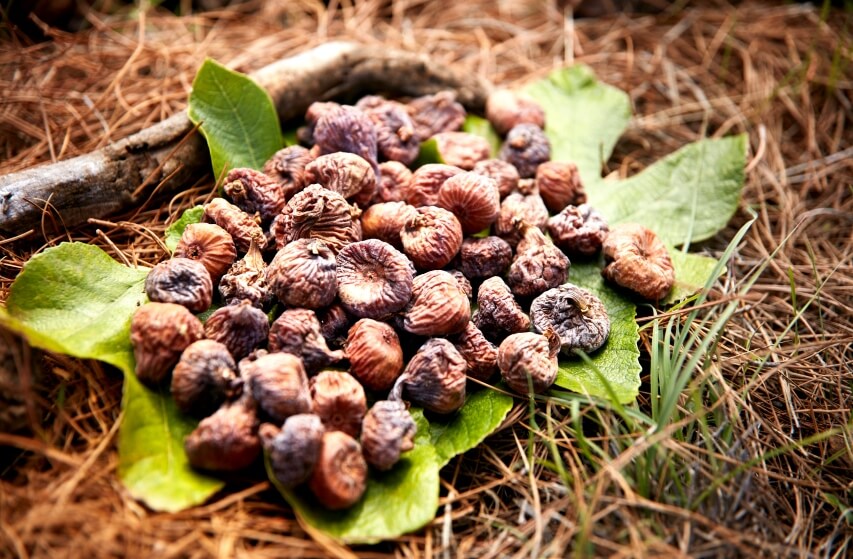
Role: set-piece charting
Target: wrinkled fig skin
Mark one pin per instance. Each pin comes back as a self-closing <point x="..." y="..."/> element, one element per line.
<point x="375" y="354"/>
<point x="463" y="283"/>
<point x="385" y="221"/>
<point x="520" y="208"/>
<point x="342" y="172"/>
<point x="294" y="449"/>
<point x="578" y="230"/>
<point x="334" y="324"/>
<point x="254" y="193"/>
<point x="526" y="146"/>
<point x="279" y="384"/>
<point x="181" y="281"/>
<point x="498" y="313"/>
<point x="434" y="378"/>
<point x="484" y="257"/>
<point x="287" y="166"/>
<point x="345" y="128"/>
<point x="302" y="274"/>
<point x="297" y="331"/>
<point x="433" y="114"/>
<point x="529" y="361"/>
<point x="246" y="280"/>
<point x="241" y="327"/>
<point x="340" y="476"/>
<point x="204" y="378"/>
<point x="226" y="441"/>
<point x="505" y="109"/>
<point x="209" y="244"/>
<point x="438" y="307"/>
<point x="315" y="213"/>
<point x="395" y="131"/>
<point x="505" y="175"/>
<point x="538" y="265"/>
<point x="374" y="279"/>
<point x="636" y="259"/>
<point x="479" y="353"/>
<point x="431" y="238"/>
<point x="394" y="183"/>
<point x="159" y="333"/>
<point x="339" y="400"/>
<point x="575" y="314"/>
<point x="426" y="182"/>
<point x="559" y="185"/>
<point x="462" y="149"/>
<point x="473" y="199"/>
<point x="387" y="432"/>
<point x="241" y="226"/>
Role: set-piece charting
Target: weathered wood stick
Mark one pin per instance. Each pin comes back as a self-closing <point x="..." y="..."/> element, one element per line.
<point x="172" y="152"/>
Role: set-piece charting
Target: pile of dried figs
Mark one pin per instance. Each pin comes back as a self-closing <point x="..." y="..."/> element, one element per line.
<point x="369" y="268"/>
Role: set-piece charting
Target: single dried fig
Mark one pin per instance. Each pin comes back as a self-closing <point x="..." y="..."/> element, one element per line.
<point x="297" y="331"/>
<point x="431" y="238"/>
<point x="438" y="307"/>
<point x="316" y="213"/>
<point x="506" y="109"/>
<point x="426" y="182"/>
<point x="578" y="230"/>
<point x="209" y="244"/>
<point x="526" y="146"/>
<point x="305" y="134"/>
<point x="472" y="198"/>
<point x="394" y="182"/>
<point x="345" y="173"/>
<point x="395" y="131"/>
<point x="254" y="193"/>
<point x="159" y="333"/>
<point x="287" y="166"/>
<point x="241" y="226"/>
<point x="517" y="209"/>
<point x="498" y="313"/>
<point x="294" y="449"/>
<point x="505" y="175"/>
<point x="279" y="385"/>
<point x="227" y="440"/>
<point x="246" y="280"/>
<point x="484" y="257"/>
<point x="340" y="475"/>
<point x="479" y="353"/>
<point x="538" y="265"/>
<point x="302" y="274"/>
<point x="339" y="399"/>
<point x="432" y="114"/>
<point x="375" y="355"/>
<point x="388" y="431"/>
<point x="434" y="378"/>
<point x="559" y="184"/>
<point x="204" y="378"/>
<point x="636" y="259"/>
<point x="385" y="221"/>
<point x="345" y="128"/>
<point x="181" y="281"/>
<point x="462" y="149"/>
<point x="241" y="327"/>
<point x="528" y="361"/>
<point x="577" y="316"/>
<point x="374" y="279"/>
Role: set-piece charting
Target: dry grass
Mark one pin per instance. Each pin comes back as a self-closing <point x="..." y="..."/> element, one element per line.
<point x="558" y="481"/>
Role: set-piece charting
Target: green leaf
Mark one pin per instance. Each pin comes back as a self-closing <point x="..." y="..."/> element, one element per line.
<point x="687" y="196"/>
<point x="175" y="230"/>
<point x="479" y="126"/>
<point x="482" y="413"/>
<point x="428" y="154"/>
<point x="613" y="372"/>
<point x="75" y="299"/>
<point x="237" y="118"/>
<point x="152" y="463"/>
<point x="692" y="272"/>
<point x="396" y="502"/>
<point x="583" y="118"/>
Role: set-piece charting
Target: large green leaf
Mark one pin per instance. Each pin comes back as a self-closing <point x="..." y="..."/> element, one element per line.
<point x="612" y="372"/>
<point x="75" y="299"/>
<point x="396" y="502"/>
<point x="692" y="272"/>
<point x="483" y="412"/>
<point x="237" y="118"/>
<point x="152" y="463"/>
<point x="175" y="230"/>
<point x="687" y="196"/>
<point x="583" y="118"/>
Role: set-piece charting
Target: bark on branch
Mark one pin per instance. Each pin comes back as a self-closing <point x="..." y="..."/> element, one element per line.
<point x="174" y="154"/>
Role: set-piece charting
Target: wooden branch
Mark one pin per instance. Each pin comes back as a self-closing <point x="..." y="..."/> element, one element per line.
<point x="174" y="154"/>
